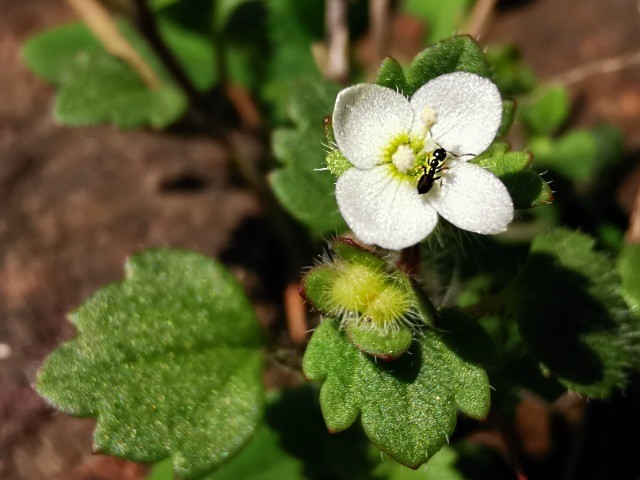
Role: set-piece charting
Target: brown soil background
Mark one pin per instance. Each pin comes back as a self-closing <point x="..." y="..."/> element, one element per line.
<point x="75" y="202"/>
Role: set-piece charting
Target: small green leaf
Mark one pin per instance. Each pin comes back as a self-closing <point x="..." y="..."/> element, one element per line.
<point x="408" y="406"/>
<point x="527" y="189"/>
<point x="303" y="184"/>
<point x="571" y="314"/>
<point x="292" y="27"/>
<point x="546" y="110"/>
<point x="169" y="361"/>
<point x="50" y="54"/>
<point x="391" y="75"/>
<point x="193" y="50"/>
<point x="508" y="113"/>
<point x="454" y="54"/>
<point x="510" y="72"/>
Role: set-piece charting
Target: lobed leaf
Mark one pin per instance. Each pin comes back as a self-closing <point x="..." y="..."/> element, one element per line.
<point x="169" y="361"/>
<point x="302" y="184"/>
<point x="102" y="89"/>
<point x="408" y="406"/>
<point x="96" y="87"/>
<point x="571" y="314"/>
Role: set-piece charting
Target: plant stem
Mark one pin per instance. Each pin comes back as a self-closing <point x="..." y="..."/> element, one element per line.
<point x="510" y="439"/>
<point x="99" y="21"/>
<point x="149" y="28"/>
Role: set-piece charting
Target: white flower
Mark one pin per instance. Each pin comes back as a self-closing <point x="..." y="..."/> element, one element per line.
<point x="391" y="141"/>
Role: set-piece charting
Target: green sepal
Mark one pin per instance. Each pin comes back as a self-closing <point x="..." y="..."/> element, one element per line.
<point x="391" y="75"/>
<point x="168" y="360"/>
<point x="527" y="188"/>
<point x="350" y="251"/>
<point x="458" y="53"/>
<point x="408" y="406"/>
<point x="508" y="114"/>
<point x="337" y="163"/>
<point x="571" y="314"/>
<point x="381" y="308"/>
<point x="388" y="346"/>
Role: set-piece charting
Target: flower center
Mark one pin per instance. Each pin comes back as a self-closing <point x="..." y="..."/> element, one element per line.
<point x="403" y="158"/>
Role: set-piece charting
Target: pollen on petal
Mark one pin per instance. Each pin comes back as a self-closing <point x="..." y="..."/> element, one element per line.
<point x="403" y="158"/>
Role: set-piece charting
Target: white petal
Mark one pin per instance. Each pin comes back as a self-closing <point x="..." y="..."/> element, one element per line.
<point x="473" y="199"/>
<point x="468" y="111"/>
<point x="366" y="118"/>
<point x="383" y="210"/>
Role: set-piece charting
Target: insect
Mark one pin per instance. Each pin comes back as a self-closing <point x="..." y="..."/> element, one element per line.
<point x="435" y="166"/>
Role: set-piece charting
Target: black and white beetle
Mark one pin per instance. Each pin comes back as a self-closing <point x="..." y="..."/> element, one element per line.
<point x="435" y="166"/>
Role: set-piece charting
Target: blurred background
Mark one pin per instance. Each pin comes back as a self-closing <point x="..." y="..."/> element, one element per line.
<point x="89" y="175"/>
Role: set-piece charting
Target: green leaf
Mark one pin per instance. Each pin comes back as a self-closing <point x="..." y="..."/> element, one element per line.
<point x="103" y="89"/>
<point x="546" y="110"/>
<point x="302" y="184"/>
<point x="454" y="54"/>
<point x="510" y="72"/>
<point x="50" y="54"/>
<point x="193" y="50"/>
<point x="391" y="75"/>
<point x="571" y="314"/>
<point x="292" y="27"/>
<point x="441" y="18"/>
<point x="169" y="361"/>
<point x="408" y="406"/>
<point x="574" y="155"/>
<point x="526" y="187"/>
<point x="96" y="87"/>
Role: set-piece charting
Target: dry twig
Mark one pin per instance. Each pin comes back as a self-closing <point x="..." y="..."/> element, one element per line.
<point x="480" y="18"/>
<point x="100" y="22"/>
<point x="379" y="20"/>
<point x="337" y="59"/>
<point x="599" y="67"/>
